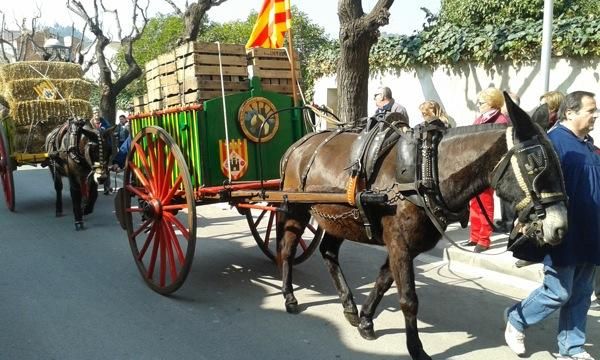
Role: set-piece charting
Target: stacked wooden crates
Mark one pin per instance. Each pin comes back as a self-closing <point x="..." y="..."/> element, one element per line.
<point x="191" y="74"/>
<point x="273" y="68"/>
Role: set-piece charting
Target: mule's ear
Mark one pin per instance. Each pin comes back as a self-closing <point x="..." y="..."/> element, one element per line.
<point x="541" y="116"/>
<point x="524" y="128"/>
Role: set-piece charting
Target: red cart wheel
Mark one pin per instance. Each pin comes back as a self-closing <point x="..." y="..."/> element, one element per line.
<point x="263" y="224"/>
<point x="159" y="210"/>
<point x="6" y="170"/>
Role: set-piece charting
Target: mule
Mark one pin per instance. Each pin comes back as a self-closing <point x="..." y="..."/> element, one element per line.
<point x="85" y="172"/>
<point x="519" y="161"/>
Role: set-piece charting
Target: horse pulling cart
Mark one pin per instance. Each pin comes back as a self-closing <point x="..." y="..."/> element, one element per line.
<point x="35" y="96"/>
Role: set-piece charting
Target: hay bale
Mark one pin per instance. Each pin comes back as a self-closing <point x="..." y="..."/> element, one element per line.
<point x="40" y="69"/>
<point x="54" y="111"/>
<point x="31" y="138"/>
<point x="47" y="89"/>
<point x="44" y="91"/>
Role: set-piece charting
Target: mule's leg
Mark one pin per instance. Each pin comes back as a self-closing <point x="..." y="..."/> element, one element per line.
<point x="382" y="284"/>
<point x="91" y="197"/>
<point x="330" y="249"/>
<point x="75" y="189"/>
<point x="58" y="186"/>
<point x="290" y="228"/>
<point x="401" y="265"/>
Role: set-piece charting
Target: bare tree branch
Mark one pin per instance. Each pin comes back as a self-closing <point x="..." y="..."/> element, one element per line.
<point x="178" y="11"/>
<point x="110" y="88"/>
<point x="192" y="16"/>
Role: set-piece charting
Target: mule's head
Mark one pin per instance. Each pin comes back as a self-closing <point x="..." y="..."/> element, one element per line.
<point x="530" y="177"/>
<point x="98" y="151"/>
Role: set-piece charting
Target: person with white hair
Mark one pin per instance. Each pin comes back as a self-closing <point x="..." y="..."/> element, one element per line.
<point x="386" y="103"/>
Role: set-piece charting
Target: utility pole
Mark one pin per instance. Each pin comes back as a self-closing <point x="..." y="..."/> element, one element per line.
<point x="547" y="42"/>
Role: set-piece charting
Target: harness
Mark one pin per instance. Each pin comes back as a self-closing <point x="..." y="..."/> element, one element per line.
<point x="529" y="161"/>
<point x="417" y="178"/>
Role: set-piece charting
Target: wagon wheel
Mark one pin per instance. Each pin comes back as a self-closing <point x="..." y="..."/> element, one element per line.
<point x="6" y="171"/>
<point x="159" y="210"/>
<point x="263" y="224"/>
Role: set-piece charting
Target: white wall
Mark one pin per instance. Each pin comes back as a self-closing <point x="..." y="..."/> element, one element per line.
<point x="456" y="88"/>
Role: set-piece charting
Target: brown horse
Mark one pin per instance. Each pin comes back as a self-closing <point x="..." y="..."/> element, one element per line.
<point x="94" y="153"/>
<point x="520" y="161"/>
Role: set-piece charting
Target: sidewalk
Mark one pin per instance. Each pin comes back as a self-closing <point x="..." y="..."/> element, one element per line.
<point x="495" y="259"/>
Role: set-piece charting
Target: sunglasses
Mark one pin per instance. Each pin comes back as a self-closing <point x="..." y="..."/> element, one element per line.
<point x="375" y="96"/>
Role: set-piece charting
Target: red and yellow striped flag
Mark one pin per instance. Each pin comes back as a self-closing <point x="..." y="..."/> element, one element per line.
<point x="274" y="20"/>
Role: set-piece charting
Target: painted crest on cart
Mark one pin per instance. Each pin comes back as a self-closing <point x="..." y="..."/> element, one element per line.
<point x="238" y="158"/>
<point x="257" y="120"/>
<point x="45" y="90"/>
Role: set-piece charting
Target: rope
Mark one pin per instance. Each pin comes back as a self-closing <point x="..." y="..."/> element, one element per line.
<point x="224" y="112"/>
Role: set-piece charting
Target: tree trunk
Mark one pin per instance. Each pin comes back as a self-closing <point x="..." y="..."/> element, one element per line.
<point x="358" y="33"/>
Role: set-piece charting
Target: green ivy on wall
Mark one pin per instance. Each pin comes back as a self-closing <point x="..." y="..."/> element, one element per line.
<point x="447" y="44"/>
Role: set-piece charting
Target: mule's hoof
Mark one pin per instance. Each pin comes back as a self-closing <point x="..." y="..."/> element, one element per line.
<point x="422" y="356"/>
<point x="365" y="329"/>
<point x="79" y="226"/>
<point x="352" y="318"/>
<point x="292" y="307"/>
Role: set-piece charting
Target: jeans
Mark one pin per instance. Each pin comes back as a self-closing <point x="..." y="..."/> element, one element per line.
<point x="597" y="284"/>
<point x="567" y="289"/>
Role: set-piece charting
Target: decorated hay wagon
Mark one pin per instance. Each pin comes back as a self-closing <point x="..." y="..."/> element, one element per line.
<point x="35" y="97"/>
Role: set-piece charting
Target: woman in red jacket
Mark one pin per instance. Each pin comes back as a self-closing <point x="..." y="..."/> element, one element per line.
<point x="489" y="102"/>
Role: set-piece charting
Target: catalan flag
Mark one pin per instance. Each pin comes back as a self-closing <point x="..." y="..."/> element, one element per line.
<point x="274" y="20"/>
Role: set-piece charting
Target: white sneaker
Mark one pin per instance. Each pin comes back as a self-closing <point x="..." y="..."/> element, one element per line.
<point x="581" y="356"/>
<point x="513" y="337"/>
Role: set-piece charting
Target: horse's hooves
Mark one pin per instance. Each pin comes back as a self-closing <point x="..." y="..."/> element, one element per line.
<point x="292" y="307"/>
<point x="422" y="356"/>
<point x="79" y="226"/>
<point x="365" y="329"/>
<point x="352" y="318"/>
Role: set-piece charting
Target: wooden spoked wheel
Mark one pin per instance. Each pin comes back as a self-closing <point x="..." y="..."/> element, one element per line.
<point x="159" y="210"/>
<point x="6" y="171"/>
<point x="263" y="225"/>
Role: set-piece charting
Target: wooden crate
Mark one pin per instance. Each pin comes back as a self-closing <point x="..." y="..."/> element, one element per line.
<point x="152" y="70"/>
<point x="140" y="100"/>
<point x="273" y="67"/>
<point x="196" y="59"/>
<point x="155" y="105"/>
<point x="172" y="100"/>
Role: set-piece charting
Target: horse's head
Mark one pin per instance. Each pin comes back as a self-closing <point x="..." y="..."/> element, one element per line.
<point x="98" y="151"/>
<point x="530" y="177"/>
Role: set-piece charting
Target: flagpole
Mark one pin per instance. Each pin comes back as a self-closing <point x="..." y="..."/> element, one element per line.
<point x="293" y="66"/>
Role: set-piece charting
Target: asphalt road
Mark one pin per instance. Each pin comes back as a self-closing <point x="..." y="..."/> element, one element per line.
<point x="78" y="295"/>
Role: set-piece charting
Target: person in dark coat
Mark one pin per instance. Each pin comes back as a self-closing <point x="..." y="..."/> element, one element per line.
<point x="568" y="267"/>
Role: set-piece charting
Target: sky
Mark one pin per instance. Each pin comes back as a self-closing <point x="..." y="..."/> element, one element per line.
<point x="406" y="16"/>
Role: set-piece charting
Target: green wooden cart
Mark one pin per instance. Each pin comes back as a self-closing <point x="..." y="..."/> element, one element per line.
<point x="178" y="161"/>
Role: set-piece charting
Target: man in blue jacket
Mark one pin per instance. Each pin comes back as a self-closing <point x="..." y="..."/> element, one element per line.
<point x="569" y="267"/>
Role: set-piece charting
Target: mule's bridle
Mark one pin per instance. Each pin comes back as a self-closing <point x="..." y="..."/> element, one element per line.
<point x="528" y="160"/>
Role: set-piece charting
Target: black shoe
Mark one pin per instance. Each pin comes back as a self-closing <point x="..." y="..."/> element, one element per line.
<point x="501" y="228"/>
<point x="468" y="243"/>
<point x="480" y="248"/>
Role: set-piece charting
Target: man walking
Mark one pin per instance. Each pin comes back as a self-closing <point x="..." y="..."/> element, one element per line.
<point x="568" y="267"/>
